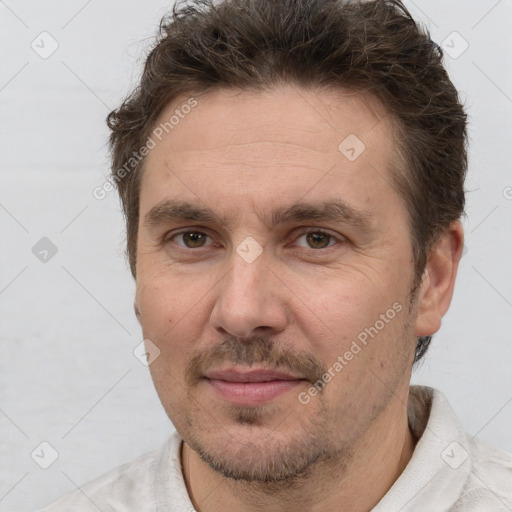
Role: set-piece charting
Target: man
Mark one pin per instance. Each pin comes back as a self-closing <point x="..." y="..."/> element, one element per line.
<point x="291" y="173"/>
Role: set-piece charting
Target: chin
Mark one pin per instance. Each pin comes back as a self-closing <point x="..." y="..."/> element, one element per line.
<point x="247" y="452"/>
<point x="253" y="463"/>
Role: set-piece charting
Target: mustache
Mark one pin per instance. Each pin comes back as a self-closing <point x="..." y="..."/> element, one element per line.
<point x="256" y="349"/>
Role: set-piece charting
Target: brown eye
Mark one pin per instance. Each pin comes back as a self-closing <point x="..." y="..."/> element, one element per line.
<point x="317" y="240"/>
<point x="191" y="239"/>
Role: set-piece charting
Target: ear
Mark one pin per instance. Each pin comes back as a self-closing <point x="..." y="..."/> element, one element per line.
<point x="436" y="290"/>
<point x="136" y="309"/>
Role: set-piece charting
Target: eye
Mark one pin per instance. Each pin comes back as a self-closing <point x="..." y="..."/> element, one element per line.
<point x="191" y="239"/>
<point x="317" y="239"/>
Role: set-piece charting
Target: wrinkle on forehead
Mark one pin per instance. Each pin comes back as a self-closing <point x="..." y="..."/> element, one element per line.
<point x="296" y="120"/>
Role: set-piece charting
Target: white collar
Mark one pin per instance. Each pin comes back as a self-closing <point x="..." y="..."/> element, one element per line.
<point x="440" y="466"/>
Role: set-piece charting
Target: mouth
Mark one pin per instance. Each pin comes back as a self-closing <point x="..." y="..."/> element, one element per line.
<point x="251" y="388"/>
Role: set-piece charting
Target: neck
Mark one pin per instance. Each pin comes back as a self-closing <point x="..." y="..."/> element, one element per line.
<point x="357" y="484"/>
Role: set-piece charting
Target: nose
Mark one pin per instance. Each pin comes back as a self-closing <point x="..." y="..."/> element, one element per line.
<point x="251" y="300"/>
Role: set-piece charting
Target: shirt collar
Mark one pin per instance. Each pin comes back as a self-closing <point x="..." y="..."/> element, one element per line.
<point x="434" y="478"/>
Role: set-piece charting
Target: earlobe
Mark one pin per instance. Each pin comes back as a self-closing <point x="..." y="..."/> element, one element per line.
<point x="438" y="281"/>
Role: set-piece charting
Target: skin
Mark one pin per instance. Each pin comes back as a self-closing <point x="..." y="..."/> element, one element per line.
<point x="242" y="154"/>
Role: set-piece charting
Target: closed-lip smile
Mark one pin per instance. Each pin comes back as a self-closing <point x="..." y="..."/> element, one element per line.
<point x="251" y="387"/>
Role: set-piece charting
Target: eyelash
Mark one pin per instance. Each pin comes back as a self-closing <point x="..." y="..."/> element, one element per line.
<point x="168" y="237"/>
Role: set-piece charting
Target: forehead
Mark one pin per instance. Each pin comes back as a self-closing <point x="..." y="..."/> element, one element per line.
<point x="286" y="114"/>
<point x="264" y="143"/>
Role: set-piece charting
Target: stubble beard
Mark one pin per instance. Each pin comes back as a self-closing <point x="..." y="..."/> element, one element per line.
<point x="270" y="461"/>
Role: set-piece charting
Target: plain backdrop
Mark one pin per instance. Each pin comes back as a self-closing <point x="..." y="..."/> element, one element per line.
<point x="68" y="375"/>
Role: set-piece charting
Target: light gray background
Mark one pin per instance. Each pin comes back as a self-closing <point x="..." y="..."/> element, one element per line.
<point x="67" y="372"/>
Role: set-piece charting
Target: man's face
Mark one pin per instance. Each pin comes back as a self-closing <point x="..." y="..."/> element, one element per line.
<point x="276" y="285"/>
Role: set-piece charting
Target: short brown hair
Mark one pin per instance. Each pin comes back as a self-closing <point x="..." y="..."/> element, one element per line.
<point x="373" y="46"/>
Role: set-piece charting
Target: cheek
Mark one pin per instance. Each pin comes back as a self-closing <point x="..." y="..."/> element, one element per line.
<point x="338" y="308"/>
<point x="171" y="313"/>
<point x="354" y="320"/>
<point x="159" y="308"/>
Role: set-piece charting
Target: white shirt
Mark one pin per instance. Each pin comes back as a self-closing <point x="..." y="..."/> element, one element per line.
<point x="449" y="471"/>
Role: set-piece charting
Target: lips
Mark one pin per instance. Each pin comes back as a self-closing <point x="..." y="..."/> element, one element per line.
<point x="251" y="388"/>
<point x="263" y="375"/>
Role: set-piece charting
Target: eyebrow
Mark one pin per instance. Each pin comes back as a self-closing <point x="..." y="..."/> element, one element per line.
<point x="326" y="211"/>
